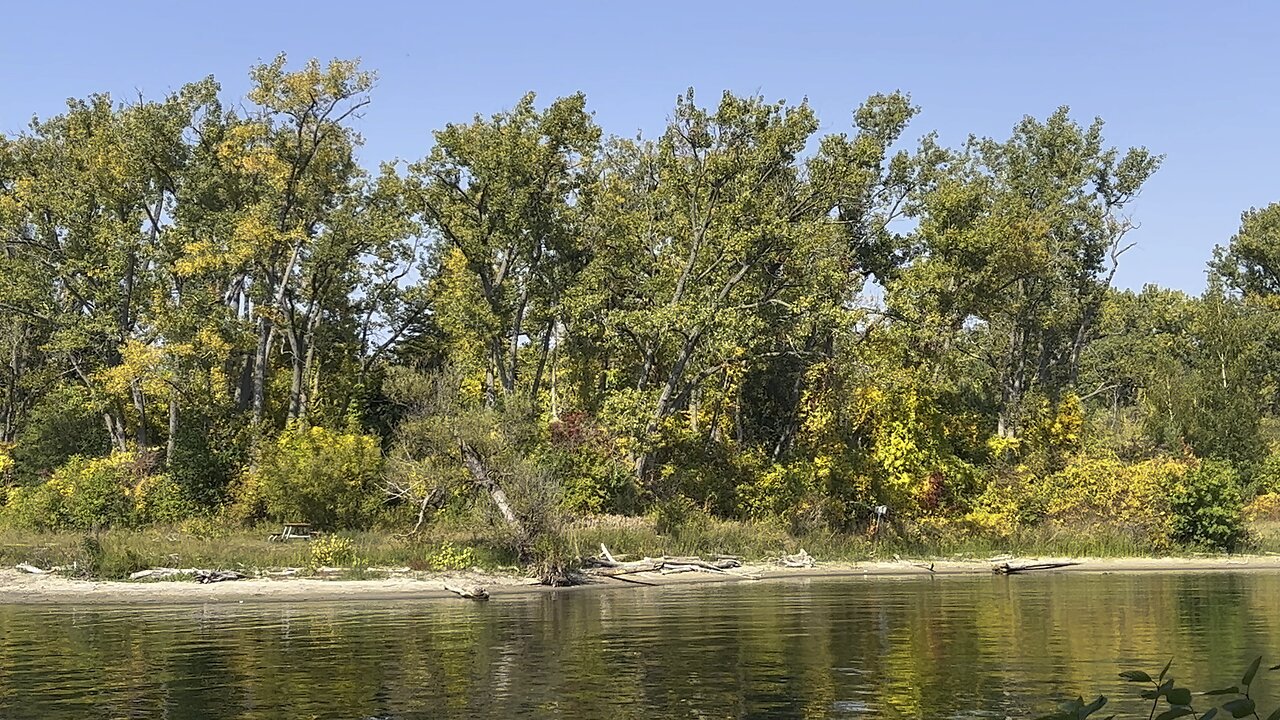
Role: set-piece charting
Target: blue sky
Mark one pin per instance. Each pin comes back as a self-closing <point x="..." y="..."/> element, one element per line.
<point x="1196" y="81"/>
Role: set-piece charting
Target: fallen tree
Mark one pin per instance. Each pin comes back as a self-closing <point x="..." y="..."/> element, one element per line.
<point x="607" y="566"/>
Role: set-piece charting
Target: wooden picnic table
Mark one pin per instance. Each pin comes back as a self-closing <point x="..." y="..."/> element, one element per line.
<point x="293" y="531"/>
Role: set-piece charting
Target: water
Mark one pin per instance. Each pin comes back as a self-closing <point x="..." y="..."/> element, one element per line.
<point x="864" y="648"/>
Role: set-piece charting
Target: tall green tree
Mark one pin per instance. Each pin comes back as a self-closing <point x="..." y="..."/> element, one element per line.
<point x="504" y="198"/>
<point x="721" y="247"/>
<point x="1020" y="240"/>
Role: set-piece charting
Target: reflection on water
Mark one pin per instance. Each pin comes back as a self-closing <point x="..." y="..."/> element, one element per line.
<point x="884" y="648"/>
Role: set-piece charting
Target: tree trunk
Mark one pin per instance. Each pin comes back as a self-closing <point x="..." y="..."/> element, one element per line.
<point x="296" y="363"/>
<point x="666" y="401"/>
<point x="543" y="356"/>
<point x="140" y="404"/>
<point x="260" y="369"/>
<point x="481" y="477"/>
<point x="172" y="446"/>
<point x="115" y="429"/>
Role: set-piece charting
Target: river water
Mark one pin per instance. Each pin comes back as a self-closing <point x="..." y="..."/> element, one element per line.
<point x="973" y="647"/>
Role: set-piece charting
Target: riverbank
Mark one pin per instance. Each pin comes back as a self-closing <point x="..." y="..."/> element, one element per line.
<point x="17" y="587"/>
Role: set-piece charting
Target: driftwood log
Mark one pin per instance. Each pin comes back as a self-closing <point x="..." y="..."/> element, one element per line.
<point x="161" y="573"/>
<point x="204" y="577"/>
<point x="1007" y="569"/>
<point x="801" y="559"/>
<point x="475" y="592"/>
<point x="610" y="567"/>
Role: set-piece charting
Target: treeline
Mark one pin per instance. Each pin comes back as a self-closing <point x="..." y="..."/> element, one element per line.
<point x="213" y="306"/>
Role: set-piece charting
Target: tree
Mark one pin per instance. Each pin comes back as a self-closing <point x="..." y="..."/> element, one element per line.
<point x="451" y="445"/>
<point x="504" y="197"/>
<point x="1250" y="263"/>
<point x="720" y="248"/>
<point x="1020" y="240"/>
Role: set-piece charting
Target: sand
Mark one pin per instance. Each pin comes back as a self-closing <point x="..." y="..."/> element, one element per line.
<point x="18" y="587"/>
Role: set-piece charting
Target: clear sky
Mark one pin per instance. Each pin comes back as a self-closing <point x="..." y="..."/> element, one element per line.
<point x="1196" y="81"/>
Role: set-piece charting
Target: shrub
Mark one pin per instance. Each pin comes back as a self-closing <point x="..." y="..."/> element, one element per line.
<point x="6" y="462"/>
<point x="333" y="551"/>
<point x="85" y="493"/>
<point x="160" y="499"/>
<point x="1132" y="498"/>
<point x="34" y="508"/>
<point x="672" y="516"/>
<point x="449" y="557"/>
<point x="1263" y="507"/>
<point x="553" y="560"/>
<point x="1266" y="476"/>
<point x="591" y="466"/>
<point x="61" y="426"/>
<point x="1207" y="508"/>
<point x="95" y="492"/>
<point x="92" y="493"/>
<point x="325" y="477"/>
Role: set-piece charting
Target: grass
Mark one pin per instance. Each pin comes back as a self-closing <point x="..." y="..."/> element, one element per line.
<point x="211" y="544"/>
<point x="756" y="541"/>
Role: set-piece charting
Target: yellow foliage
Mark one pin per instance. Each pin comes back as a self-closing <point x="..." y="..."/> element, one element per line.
<point x="139" y="363"/>
<point x="1088" y="491"/>
<point x="1263" y="507"/>
<point x="6" y="459"/>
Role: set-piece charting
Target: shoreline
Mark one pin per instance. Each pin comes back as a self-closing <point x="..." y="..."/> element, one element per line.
<point x="19" y="588"/>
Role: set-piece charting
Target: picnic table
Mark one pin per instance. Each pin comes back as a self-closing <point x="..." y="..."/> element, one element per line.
<point x="292" y="531"/>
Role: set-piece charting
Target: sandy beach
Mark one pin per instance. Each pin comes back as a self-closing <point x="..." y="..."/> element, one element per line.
<point x="17" y="587"/>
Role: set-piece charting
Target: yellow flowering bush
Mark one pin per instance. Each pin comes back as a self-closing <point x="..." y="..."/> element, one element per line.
<point x="1263" y="507"/>
<point x="1134" y="497"/>
<point x="328" y="478"/>
<point x="332" y="551"/>
<point x="450" y="557"/>
<point x="89" y="493"/>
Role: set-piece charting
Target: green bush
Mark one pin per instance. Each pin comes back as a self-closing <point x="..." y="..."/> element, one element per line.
<point x="325" y="477"/>
<point x="1266" y="476"/>
<point x="84" y="494"/>
<point x="1207" y="507"/>
<point x="61" y="426"/>
<point x="160" y="499"/>
<point x="671" y="517"/>
<point x="34" y="508"/>
<point x="96" y="491"/>
<point x="93" y="559"/>
<point x="93" y="493"/>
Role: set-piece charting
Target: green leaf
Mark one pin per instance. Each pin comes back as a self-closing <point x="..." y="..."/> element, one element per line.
<point x="1174" y="713"/>
<point x="1275" y="714"/>
<point x="1252" y="671"/>
<point x="1209" y="714"/>
<point x="1071" y="706"/>
<point x="1224" y="691"/>
<point x="1179" y="696"/>
<point x="1135" y="676"/>
<point x="1166" y="669"/>
<point x="1239" y="708"/>
<point x="1092" y="707"/>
